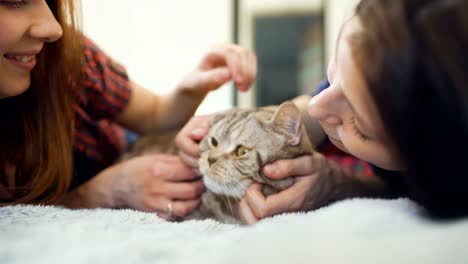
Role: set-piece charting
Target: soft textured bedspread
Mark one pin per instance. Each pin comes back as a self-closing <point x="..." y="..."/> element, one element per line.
<point x="354" y="231"/>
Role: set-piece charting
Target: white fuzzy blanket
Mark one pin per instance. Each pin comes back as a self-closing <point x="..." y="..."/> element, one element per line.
<point x="354" y="231"/>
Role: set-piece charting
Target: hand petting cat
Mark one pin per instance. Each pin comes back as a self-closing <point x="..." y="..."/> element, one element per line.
<point x="147" y="183"/>
<point x="220" y="64"/>
<point x="188" y="139"/>
<point x="318" y="182"/>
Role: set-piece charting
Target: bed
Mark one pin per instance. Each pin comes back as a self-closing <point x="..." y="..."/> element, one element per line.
<point x="352" y="231"/>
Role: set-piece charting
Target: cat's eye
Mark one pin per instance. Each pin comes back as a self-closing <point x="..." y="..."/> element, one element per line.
<point x="214" y="142"/>
<point x="241" y="151"/>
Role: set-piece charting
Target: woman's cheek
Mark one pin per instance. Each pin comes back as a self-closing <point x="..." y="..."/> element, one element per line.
<point x="370" y="151"/>
<point x="355" y="145"/>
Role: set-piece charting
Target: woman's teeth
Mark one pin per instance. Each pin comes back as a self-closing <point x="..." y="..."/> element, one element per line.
<point x="23" y="59"/>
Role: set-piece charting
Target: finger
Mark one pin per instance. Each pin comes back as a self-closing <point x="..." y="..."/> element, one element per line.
<point x="194" y="131"/>
<point x="252" y="69"/>
<point x="246" y="215"/>
<point x="201" y="127"/>
<point x="174" y="171"/>
<point x="189" y="161"/>
<point x="232" y="59"/>
<point x="166" y="216"/>
<point x="300" y="166"/>
<point x="162" y="206"/>
<point x="289" y="200"/>
<point x="212" y="79"/>
<point x="184" y="208"/>
<point x="183" y="190"/>
<point x="256" y="201"/>
<point x="188" y="145"/>
<point x="248" y="70"/>
<point x="242" y="78"/>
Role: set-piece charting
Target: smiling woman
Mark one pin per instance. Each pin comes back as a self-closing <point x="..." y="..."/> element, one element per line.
<point x="63" y="106"/>
<point x="37" y="53"/>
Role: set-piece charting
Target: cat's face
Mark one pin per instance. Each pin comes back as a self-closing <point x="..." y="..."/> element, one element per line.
<point x="241" y="142"/>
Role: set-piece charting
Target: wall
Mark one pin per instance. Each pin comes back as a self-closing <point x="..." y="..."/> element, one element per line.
<point x="251" y="8"/>
<point x="336" y="13"/>
<point x="160" y="41"/>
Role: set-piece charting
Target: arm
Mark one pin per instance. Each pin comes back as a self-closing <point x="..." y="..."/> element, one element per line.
<point x="147" y="183"/>
<point x="147" y="112"/>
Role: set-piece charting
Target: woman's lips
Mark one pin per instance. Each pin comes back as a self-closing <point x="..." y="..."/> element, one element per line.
<point x="27" y="62"/>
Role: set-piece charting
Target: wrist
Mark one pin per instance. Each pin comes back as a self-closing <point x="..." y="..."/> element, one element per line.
<point x="192" y="94"/>
<point x="96" y="193"/>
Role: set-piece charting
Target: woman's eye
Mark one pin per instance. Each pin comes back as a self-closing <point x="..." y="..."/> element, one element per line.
<point x="13" y="3"/>
<point x="241" y="151"/>
<point x="214" y="142"/>
<point x="358" y="132"/>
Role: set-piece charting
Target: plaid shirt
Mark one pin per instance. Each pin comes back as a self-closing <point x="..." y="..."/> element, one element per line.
<point x="104" y="95"/>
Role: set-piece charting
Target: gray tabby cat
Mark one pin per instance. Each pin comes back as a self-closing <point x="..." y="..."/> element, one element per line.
<point x="239" y="144"/>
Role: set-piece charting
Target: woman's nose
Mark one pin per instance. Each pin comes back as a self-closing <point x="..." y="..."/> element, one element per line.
<point x="327" y="106"/>
<point x="45" y="26"/>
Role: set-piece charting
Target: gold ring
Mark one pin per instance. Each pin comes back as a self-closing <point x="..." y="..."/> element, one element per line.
<point x="169" y="208"/>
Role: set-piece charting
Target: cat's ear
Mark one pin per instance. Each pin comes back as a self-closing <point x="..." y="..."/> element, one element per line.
<point x="288" y="118"/>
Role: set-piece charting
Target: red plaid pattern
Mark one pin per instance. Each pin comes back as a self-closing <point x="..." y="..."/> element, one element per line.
<point x="104" y="95"/>
<point x="349" y="163"/>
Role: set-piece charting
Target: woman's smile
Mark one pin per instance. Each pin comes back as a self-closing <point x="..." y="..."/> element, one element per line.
<point x="23" y="60"/>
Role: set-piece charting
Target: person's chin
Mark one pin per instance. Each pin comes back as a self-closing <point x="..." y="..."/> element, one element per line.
<point x="15" y="89"/>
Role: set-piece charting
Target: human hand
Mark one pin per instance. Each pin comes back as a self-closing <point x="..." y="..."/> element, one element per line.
<point x="219" y="65"/>
<point x="254" y="206"/>
<point x="155" y="183"/>
<point x="188" y="139"/>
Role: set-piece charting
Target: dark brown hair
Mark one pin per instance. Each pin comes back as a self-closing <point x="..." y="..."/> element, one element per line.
<point x="414" y="56"/>
<point x="37" y="126"/>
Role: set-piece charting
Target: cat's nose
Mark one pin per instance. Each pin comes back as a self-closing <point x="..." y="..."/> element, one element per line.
<point x="211" y="160"/>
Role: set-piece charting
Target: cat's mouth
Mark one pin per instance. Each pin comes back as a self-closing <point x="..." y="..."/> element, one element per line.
<point x="233" y="189"/>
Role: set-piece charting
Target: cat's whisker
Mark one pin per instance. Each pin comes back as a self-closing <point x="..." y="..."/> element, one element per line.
<point x="242" y="186"/>
<point x="229" y="199"/>
<point x="237" y="181"/>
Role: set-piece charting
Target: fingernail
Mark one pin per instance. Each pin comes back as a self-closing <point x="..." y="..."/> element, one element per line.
<point x="199" y="132"/>
<point x="269" y="170"/>
<point x="332" y="120"/>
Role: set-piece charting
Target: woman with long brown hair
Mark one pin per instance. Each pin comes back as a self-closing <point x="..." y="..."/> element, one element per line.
<point x="63" y="102"/>
<point x="398" y="98"/>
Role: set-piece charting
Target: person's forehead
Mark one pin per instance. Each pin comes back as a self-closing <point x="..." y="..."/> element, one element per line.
<point x="356" y="88"/>
<point x="350" y="28"/>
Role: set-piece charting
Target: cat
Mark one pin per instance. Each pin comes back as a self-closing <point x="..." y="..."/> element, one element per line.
<point x="240" y="142"/>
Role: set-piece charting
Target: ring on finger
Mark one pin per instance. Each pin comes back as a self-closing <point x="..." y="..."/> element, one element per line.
<point x="170" y="208"/>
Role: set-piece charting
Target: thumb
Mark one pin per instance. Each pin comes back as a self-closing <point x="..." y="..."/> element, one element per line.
<point x="199" y="133"/>
<point x="201" y="130"/>
<point x="212" y="79"/>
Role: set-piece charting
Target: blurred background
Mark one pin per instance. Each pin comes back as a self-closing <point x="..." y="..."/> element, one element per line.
<point x="160" y="41"/>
